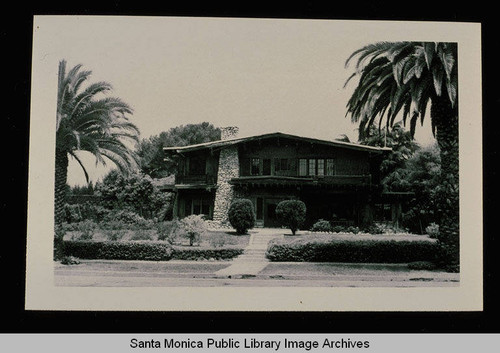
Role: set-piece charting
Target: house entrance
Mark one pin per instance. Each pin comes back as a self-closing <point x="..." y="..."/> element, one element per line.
<point x="270" y="219"/>
<point x="265" y="212"/>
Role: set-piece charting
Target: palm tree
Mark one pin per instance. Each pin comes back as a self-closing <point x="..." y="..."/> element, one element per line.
<point x="89" y="121"/>
<point x="401" y="78"/>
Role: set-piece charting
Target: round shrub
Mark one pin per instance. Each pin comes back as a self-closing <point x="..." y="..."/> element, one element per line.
<point x="291" y="213"/>
<point x="241" y="215"/>
<point x="322" y="226"/>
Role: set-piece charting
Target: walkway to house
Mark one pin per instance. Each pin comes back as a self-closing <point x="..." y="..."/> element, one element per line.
<point x="253" y="260"/>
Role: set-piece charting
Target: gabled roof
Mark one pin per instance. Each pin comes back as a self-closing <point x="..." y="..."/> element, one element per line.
<point x="234" y="141"/>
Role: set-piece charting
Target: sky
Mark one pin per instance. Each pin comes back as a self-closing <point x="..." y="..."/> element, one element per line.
<point x="262" y="75"/>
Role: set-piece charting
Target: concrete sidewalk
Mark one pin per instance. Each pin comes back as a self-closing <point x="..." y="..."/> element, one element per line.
<point x="253" y="260"/>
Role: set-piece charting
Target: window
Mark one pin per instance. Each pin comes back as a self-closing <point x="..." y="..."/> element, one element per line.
<point x="330" y="167"/>
<point x="302" y="167"/>
<point x="197" y="165"/>
<point x="312" y="167"/>
<point x="321" y="167"/>
<point x="266" y="167"/>
<point x="281" y="165"/>
<point x="196" y="205"/>
<point x="255" y="166"/>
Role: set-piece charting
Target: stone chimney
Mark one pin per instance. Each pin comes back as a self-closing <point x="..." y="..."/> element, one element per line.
<point x="229" y="132"/>
<point x="229" y="167"/>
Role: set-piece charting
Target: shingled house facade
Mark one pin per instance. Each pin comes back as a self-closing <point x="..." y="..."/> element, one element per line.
<point x="337" y="181"/>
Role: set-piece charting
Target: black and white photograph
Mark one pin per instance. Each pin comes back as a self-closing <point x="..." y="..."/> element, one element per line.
<point x="254" y="164"/>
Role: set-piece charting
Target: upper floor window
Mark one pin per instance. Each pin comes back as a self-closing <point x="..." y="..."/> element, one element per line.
<point x="312" y="167"/>
<point x="302" y="167"/>
<point x="255" y="166"/>
<point x="321" y="167"/>
<point x="197" y="165"/>
<point x="281" y="165"/>
<point x="316" y="167"/>
<point x="330" y="167"/>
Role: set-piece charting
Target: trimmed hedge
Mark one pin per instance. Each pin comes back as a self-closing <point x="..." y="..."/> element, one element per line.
<point x="200" y="253"/>
<point x="146" y="250"/>
<point x="363" y="251"/>
<point x="115" y="250"/>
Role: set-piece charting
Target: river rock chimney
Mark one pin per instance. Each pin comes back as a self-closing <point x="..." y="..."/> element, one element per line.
<point x="229" y="167"/>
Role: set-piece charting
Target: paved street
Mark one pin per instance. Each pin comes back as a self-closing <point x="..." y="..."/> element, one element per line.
<point x="204" y="274"/>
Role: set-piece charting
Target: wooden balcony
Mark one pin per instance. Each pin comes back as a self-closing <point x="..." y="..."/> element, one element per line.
<point x="202" y="179"/>
<point x="320" y="181"/>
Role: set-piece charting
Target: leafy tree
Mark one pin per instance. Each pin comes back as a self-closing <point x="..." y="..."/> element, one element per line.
<point x="88" y="121"/>
<point x="150" y="150"/>
<point x="420" y="175"/>
<point x="291" y="213"/>
<point x="135" y="192"/>
<point x="402" y="78"/>
<point x="403" y="148"/>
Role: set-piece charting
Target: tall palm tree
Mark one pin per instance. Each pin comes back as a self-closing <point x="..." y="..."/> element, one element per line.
<point x="89" y="121"/>
<point x="401" y="78"/>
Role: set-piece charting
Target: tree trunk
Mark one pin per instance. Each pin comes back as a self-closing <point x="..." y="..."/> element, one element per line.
<point x="445" y="119"/>
<point x="61" y="174"/>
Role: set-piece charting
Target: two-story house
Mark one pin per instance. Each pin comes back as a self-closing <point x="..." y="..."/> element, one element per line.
<point x="337" y="181"/>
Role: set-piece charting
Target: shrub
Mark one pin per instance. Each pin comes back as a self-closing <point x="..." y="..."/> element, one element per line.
<point x="70" y="260"/>
<point x="352" y="229"/>
<point x="129" y="219"/>
<point x="115" y="234"/>
<point x="193" y="227"/>
<point x="141" y="234"/>
<point x="241" y="215"/>
<point x="432" y="230"/>
<point x="291" y="213"/>
<point x="114" y="225"/>
<point x="72" y="213"/>
<point x="204" y="254"/>
<point x="86" y="229"/>
<point x="168" y="231"/>
<point x="113" y="250"/>
<point x="359" y="251"/>
<point x="321" y="226"/>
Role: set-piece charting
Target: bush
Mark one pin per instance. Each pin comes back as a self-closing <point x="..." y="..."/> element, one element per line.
<point x="112" y="250"/>
<point x="148" y="251"/>
<point x="204" y="254"/>
<point x="432" y="230"/>
<point x="86" y="229"/>
<point x="321" y="226"/>
<point x="129" y="219"/>
<point x="168" y="231"/>
<point x="359" y="251"/>
<point x="142" y="234"/>
<point x="291" y="213"/>
<point x="241" y="215"/>
<point x="115" y="234"/>
<point x="352" y="229"/>
<point x="193" y="227"/>
<point x="84" y="211"/>
<point x="70" y="260"/>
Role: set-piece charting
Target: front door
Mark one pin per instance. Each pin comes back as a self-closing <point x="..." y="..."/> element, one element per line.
<point x="270" y="219"/>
